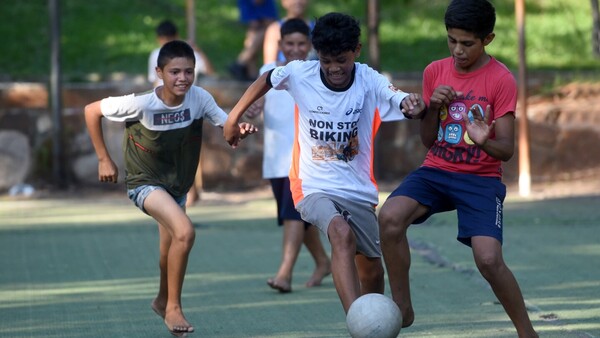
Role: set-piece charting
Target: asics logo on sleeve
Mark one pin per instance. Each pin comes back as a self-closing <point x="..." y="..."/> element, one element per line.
<point x="352" y="111"/>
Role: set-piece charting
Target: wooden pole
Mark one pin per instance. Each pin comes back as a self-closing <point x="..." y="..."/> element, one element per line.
<point x="595" y="28"/>
<point x="373" y="33"/>
<point x="58" y="171"/>
<point x="523" y="123"/>
<point x="191" y="22"/>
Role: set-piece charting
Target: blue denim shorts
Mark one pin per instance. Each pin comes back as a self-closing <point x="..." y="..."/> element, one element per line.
<point x="478" y="200"/>
<point x="138" y="196"/>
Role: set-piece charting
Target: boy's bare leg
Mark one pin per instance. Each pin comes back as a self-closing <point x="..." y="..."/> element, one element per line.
<point x="160" y="205"/>
<point x="487" y="252"/>
<point x="193" y="195"/>
<point x="312" y="241"/>
<point x="343" y="250"/>
<point x="293" y="234"/>
<point x="395" y="216"/>
<point x="160" y="302"/>
<point x="370" y="274"/>
<point x="253" y="42"/>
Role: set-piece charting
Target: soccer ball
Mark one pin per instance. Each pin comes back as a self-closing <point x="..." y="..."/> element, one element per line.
<point x="374" y="316"/>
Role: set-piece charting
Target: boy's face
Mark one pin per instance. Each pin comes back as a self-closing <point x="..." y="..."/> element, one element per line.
<point x="467" y="49"/>
<point x="177" y="75"/>
<point x="295" y="46"/>
<point x="338" y="69"/>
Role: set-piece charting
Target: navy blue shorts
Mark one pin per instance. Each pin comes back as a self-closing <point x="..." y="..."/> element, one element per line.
<point x="285" y="203"/>
<point x="478" y="200"/>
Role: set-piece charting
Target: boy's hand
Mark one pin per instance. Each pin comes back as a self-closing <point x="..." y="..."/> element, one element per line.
<point x="231" y="132"/>
<point x="442" y="96"/>
<point x="107" y="171"/>
<point x="478" y="127"/>
<point x="413" y="105"/>
<point x="247" y="129"/>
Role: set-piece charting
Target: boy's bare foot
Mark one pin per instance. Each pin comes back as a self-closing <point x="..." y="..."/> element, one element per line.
<point x="158" y="308"/>
<point x="408" y="317"/>
<point x="177" y="324"/>
<point x="279" y="285"/>
<point x="318" y="275"/>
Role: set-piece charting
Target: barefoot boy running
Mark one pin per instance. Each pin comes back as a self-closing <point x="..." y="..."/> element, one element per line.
<point x="339" y="106"/>
<point x="278" y="107"/>
<point x="161" y="148"/>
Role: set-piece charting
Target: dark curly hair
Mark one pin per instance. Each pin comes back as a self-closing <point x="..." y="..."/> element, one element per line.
<point x="475" y="16"/>
<point x="335" y="33"/>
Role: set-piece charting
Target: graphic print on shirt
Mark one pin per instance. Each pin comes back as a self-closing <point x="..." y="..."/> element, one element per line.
<point x="455" y="109"/>
<point x="336" y="141"/>
<point x="161" y="119"/>
<point x="453" y="133"/>
<point x="453" y="142"/>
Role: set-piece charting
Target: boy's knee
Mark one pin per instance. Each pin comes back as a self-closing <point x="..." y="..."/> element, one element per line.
<point x="489" y="264"/>
<point x="391" y="220"/>
<point x="386" y="217"/>
<point x="186" y="237"/>
<point x="340" y="232"/>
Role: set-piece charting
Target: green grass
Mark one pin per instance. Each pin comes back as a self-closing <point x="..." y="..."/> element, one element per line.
<point x="112" y="36"/>
<point x="88" y="267"/>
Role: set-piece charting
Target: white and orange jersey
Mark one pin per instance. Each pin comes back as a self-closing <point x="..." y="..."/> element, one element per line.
<point x="335" y="129"/>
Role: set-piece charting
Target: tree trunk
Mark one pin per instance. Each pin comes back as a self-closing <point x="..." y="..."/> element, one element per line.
<point x="373" y="33"/>
<point x="595" y="29"/>
<point x="190" y="12"/>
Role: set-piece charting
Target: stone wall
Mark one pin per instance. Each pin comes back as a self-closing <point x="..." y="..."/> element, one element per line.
<point x="563" y="136"/>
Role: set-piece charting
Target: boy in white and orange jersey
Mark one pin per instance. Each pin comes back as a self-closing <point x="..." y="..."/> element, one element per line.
<point x="340" y="104"/>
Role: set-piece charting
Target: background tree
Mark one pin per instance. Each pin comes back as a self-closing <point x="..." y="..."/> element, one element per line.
<point x="595" y="29"/>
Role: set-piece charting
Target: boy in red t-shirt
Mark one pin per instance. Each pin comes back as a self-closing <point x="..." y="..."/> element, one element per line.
<point x="469" y="130"/>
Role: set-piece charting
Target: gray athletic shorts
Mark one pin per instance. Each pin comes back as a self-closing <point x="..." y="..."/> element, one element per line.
<point x="320" y="208"/>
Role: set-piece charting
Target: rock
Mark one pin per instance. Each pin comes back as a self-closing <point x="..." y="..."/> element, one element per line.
<point x="15" y="158"/>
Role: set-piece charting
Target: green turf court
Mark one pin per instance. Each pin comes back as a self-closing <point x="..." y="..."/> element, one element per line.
<point x="73" y="267"/>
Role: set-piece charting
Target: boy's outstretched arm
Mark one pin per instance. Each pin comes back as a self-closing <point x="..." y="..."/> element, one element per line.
<point x="413" y="106"/>
<point x="231" y="129"/>
<point x="107" y="170"/>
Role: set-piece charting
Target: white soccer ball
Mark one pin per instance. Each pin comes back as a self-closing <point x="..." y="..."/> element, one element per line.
<point x="374" y="316"/>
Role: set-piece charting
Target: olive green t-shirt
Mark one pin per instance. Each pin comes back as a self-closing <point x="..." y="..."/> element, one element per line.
<point x="162" y="144"/>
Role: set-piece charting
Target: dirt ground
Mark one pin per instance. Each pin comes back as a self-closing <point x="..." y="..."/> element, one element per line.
<point x="564" y="127"/>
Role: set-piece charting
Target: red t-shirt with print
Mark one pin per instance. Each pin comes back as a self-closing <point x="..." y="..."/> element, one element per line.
<point x="492" y="84"/>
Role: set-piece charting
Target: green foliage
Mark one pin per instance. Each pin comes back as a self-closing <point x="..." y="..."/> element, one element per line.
<point x="115" y="36"/>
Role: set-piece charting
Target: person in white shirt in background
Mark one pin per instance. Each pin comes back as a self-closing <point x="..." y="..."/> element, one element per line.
<point x="278" y="107"/>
